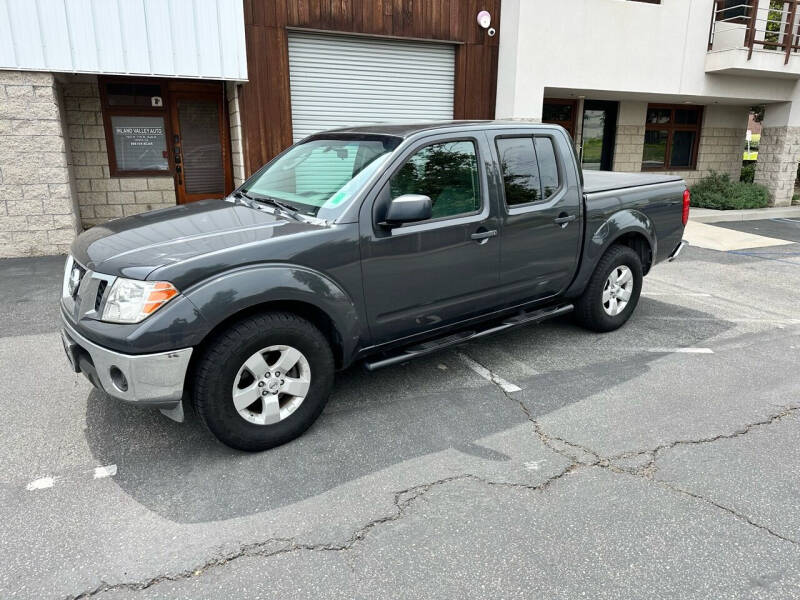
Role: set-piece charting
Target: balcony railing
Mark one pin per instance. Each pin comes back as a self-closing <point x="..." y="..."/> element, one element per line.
<point x="770" y="25"/>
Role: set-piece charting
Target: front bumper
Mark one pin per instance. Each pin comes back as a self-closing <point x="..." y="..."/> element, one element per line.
<point x="143" y="379"/>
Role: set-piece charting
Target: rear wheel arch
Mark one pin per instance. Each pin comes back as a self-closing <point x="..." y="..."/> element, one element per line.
<point x="639" y="243"/>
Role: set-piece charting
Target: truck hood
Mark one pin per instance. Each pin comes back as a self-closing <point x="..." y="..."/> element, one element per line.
<point x="136" y="246"/>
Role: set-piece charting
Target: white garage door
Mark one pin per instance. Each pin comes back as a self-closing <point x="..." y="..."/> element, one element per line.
<point x="337" y="81"/>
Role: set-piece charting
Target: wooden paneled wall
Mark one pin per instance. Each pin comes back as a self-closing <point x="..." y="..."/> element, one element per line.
<point x="265" y="102"/>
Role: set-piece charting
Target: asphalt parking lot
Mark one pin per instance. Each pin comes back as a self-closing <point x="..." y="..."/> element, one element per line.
<point x="658" y="461"/>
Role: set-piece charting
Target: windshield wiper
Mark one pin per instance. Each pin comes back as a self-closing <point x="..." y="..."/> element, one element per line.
<point x="292" y="212"/>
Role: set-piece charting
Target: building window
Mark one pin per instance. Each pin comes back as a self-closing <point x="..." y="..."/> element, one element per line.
<point x="672" y="136"/>
<point x="732" y="11"/>
<point x="135" y="122"/>
<point x="560" y="112"/>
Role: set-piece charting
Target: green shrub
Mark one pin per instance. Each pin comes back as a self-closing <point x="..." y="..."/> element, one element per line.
<point x="719" y="192"/>
<point x="748" y="171"/>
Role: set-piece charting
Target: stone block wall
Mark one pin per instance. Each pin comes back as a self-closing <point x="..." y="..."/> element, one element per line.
<point x="100" y="196"/>
<point x="629" y="144"/>
<point x="721" y="150"/>
<point x="778" y="155"/>
<point x="37" y="209"/>
<point x="235" y="120"/>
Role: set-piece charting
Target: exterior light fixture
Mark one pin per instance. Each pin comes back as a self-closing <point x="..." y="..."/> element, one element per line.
<point x="484" y="20"/>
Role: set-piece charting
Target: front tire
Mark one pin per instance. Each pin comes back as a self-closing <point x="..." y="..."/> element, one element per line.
<point x="264" y="381"/>
<point x="613" y="291"/>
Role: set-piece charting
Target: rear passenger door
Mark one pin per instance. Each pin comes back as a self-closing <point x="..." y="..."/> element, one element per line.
<point x="540" y="208"/>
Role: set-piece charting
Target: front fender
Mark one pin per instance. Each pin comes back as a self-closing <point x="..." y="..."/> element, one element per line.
<point x="229" y="293"/>
<point x="604" y="235"/>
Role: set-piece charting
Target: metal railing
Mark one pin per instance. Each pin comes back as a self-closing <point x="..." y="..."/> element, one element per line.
<point x="773" y="26"/>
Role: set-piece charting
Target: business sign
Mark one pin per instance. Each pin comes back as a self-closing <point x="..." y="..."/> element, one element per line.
<point x="140" y="143"/>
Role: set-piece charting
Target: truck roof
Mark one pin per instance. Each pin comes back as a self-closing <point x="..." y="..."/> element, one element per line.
<point x="404" y="130"/>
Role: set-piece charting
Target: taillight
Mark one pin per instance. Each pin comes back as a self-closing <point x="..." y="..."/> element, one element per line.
<point x="687" y="200"/>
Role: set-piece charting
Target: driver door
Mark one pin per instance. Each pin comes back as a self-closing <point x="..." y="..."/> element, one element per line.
<point x="425" y="275"/>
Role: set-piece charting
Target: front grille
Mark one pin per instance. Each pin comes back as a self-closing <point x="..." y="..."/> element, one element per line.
<point x="101" y="290"/>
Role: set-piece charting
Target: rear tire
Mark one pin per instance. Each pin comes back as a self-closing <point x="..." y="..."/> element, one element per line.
<point x="242" y="395"/>
<point x="613" y="291"/>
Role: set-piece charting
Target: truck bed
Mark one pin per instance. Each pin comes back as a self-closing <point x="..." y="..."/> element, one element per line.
<point x="604" y="181"/>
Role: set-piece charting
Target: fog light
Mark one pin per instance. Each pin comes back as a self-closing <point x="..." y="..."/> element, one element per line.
<point x="119" y="379"/>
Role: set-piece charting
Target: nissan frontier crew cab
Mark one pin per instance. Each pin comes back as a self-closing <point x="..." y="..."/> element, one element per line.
<point x="376" y="244"/>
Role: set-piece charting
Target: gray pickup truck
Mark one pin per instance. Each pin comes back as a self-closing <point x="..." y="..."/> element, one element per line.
<point x="376" y="244"/>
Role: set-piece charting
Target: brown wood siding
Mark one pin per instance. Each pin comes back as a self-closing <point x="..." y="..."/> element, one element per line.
<point x="264" y="101"/>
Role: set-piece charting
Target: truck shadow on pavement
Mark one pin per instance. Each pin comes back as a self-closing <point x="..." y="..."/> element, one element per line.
<point x="373" y="421"/>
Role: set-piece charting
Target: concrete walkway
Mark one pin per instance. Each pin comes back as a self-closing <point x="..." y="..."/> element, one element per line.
<point x="707" y="215"/>
<point x="720" y="238"/>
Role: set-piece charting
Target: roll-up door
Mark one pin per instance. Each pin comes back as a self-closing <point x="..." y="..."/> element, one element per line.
<point x="337" y="81"/>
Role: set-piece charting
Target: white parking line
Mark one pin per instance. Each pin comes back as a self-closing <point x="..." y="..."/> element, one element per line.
<point x="107" y="471"/>
<point x="488" y="375"/>
<point x="689" y="294"/>
<point x="41" y="484"/>
<point x="682" y="350"/>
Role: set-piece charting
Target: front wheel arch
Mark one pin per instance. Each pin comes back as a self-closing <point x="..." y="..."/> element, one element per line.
<point x="309" y="312"/>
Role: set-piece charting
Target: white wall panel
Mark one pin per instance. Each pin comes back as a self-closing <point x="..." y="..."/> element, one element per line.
<point x="24" y="24"/>
<point x="56" y="47"/>
<point x="206" y="28"/>
<point x="135" y="47"/>
<point x="183" y="35"/>
<point x="80" y="29"/>
<point x="170" y="38"/>
<point x="159" y="36"/>
<point x="108" y="35"/>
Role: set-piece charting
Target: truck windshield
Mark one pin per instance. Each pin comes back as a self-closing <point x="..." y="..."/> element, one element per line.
<point x="320" y="177"/>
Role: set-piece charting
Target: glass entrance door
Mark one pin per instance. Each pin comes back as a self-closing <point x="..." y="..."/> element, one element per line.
<point x="599" y="131"/>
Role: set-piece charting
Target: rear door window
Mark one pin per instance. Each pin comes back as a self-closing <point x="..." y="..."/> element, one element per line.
<point x="548" y="166"/>
<point x="529" y="169"/>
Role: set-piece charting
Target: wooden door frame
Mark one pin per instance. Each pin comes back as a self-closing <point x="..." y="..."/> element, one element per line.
<point x="192" y="90"/>
<point x="572" y="126"/>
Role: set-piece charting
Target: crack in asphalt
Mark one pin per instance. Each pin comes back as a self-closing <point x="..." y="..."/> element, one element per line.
<point x="266" y="549"/>
<point x="562" y="446"/>
<point x="579" y="456"/>
<point x="649" y="468"/>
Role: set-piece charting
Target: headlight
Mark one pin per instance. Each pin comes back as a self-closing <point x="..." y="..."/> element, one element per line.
<point x="131" y="301"/>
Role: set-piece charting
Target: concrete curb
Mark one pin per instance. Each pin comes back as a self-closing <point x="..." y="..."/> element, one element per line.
<point x="706" y="215"/>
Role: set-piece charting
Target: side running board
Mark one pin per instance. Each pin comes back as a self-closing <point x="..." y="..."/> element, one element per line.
<point x="452" y="339"/>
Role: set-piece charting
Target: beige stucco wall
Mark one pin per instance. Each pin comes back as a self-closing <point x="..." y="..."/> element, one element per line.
<point x="37" y="211"/>
<point x="583" y="47"/>
<point x="100" y="196"/>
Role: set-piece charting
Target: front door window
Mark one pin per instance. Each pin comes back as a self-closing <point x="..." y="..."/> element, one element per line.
<point x="447" y="173"/>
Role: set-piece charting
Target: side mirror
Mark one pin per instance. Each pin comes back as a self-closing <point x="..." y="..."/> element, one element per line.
<point x="408" y="208"/>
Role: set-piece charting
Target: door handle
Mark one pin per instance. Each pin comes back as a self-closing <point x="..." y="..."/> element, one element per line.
<point x="564" y="219"/>
<point x="484" y="235"/>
